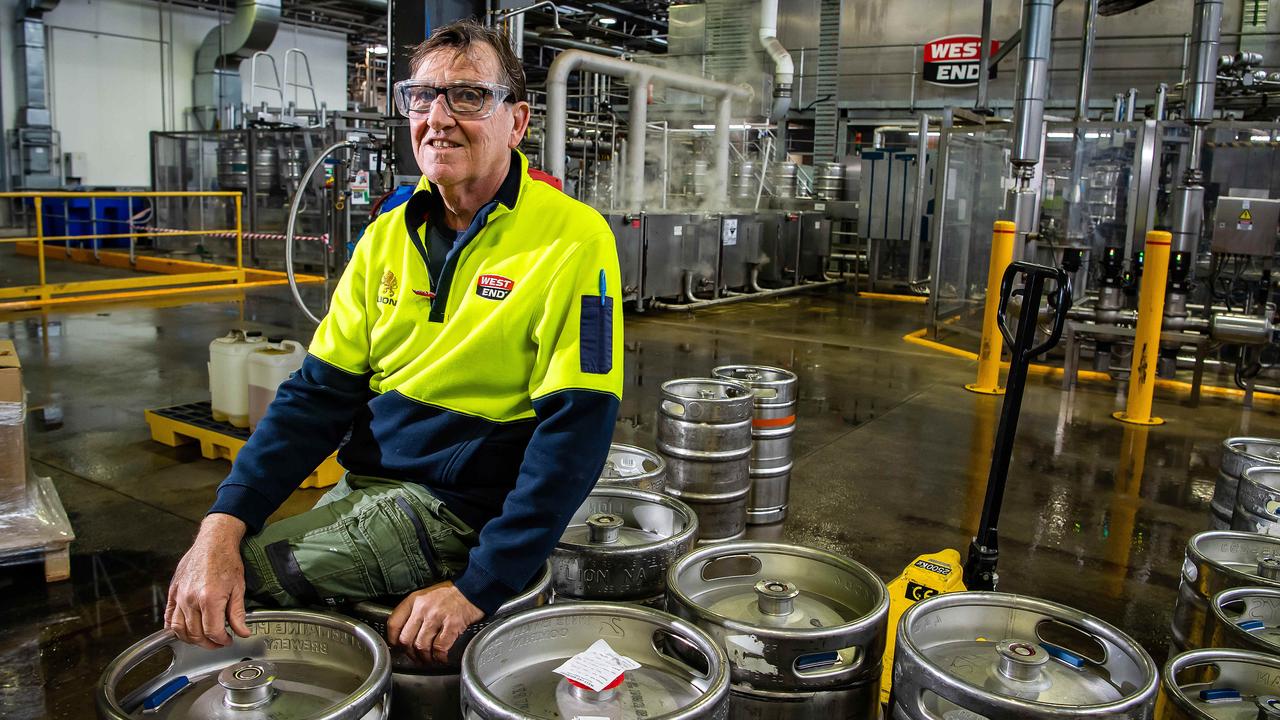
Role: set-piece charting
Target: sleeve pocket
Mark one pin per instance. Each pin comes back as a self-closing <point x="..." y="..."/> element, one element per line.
<point x="596" y="335"/>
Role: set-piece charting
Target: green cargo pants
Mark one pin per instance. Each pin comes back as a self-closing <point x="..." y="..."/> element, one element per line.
<point x="367" y="538"/>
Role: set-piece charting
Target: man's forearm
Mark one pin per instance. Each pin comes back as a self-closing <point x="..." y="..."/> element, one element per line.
<point x="222" y="529"/>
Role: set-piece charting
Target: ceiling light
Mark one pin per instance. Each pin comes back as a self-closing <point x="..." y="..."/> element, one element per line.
<point x="608" y="20"/>
<point x="378" y="49"/>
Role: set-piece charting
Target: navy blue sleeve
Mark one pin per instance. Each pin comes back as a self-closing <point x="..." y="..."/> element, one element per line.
<point x="561" y="465"/>
<point x="311" y="413"/>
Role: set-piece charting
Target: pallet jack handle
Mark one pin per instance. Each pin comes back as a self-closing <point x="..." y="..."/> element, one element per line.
<point x="980" y="567"/>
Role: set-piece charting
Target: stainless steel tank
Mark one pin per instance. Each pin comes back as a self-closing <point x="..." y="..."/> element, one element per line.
<point x="1258" y="501"/>
<point x="1246" y="618"/>
<point x="296" y="664"/>
<point x="1217" y="561"/>
<point x="634" y="467"/>
<point x="619" y="544"/>
<point x="1220" y="684"/>
<point x="1240" y="454"/>
<point x="507" y="672"/>
<point x="431" y="691"/>
<point x="782" y="177"/>
<point x="233" y="165"/>
<point x="772" y="427"/>
<point x="704" y="432"/>
<point x="804" y="629"/>
<point x="829" y="182"/>
<point x="994" y="655"/>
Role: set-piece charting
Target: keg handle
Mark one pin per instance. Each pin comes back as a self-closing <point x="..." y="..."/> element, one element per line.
<point x="663" y="639"/>
<point x="139" y="654"/>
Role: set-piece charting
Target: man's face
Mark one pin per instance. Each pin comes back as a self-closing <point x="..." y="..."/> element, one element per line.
<point x="457" y="151"/>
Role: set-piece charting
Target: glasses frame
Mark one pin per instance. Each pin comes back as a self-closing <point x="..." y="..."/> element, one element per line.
<point x="501" y="93"/>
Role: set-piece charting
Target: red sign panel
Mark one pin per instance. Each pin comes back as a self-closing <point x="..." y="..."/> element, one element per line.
<point x="954" y="60"/>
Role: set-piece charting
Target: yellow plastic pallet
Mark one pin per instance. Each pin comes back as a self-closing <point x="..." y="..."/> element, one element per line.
<point x="214" y="445"/>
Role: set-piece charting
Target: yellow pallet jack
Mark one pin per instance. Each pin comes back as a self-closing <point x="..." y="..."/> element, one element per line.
<point x="940" y="572"/>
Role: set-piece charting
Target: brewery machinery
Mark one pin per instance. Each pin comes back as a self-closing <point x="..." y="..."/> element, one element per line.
<point x="1086" y="193"/>
<point x="266" y="164"/>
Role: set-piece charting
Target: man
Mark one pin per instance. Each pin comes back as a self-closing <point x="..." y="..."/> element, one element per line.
<point x="472" y="352"/>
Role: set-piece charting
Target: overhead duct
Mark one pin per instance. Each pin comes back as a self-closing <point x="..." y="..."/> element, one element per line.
<point x="784" y="68"/>
<point x="638" y="76"/>
<point x="38" y="149"/>
<point x="216" y="87"/>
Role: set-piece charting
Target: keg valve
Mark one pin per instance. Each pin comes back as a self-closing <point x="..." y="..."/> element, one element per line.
<point x="248" y="684"/>
<point x="776" y="597"/>
<point x="602" y="528"/>
<point x="1269" y="567"/>
<point x="1021" y="660"/>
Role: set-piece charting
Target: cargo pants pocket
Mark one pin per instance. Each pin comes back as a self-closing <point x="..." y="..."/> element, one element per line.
<point x="373" y="538"/>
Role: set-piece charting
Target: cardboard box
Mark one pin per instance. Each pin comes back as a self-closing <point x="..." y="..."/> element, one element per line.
<point x="10" y="373"/>
<point x="13" y="440"/>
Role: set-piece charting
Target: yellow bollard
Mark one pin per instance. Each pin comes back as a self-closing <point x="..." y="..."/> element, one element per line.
<point x="992" y="343"/>
<point x="1146" y="343"/>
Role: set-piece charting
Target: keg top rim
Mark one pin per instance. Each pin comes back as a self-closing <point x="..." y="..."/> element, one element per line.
<point x="1205" y="656"/>
<point x="1127" y="646"/>
<point x="786" y="376"/>
<point x="744" y="390"/>
<point x="1235" y="445"/>
<point x="702" y="555"/>
<point x="716" y="679"/>
<point x="639" y="496"/>
<point x="374" y="684"/>
<point x="1196" y="549"/>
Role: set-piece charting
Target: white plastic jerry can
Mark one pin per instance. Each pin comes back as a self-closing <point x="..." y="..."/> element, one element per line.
<point x="268" y="367"/>
<point x="229" y="375"/>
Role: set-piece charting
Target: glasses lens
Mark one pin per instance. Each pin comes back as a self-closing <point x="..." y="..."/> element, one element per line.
<point x="419" y="99"/>
<point x="467" y="99"/>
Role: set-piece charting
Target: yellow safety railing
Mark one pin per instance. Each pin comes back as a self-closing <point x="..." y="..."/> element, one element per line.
<point x="169" y="276"/>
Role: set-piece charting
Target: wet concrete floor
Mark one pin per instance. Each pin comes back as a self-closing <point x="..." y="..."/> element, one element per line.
<point x="891" y="462"/>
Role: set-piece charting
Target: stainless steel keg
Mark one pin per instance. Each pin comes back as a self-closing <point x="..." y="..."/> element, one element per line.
<point x="1217" y="561"/>
<point x="783" y="179"/>
<point x="507" y="672"/>
<point x="296" y="664"/>
<point x="233" y="165"/>
<point x="619" y="544"/>
<point x="1246" y="618"/>
<point x="634" y="467"/>
<point x="829" y="183"/>
<point x="433" y="692"/>
<point x="266" y="167"/>
<point x="799" y="625"/>
<point x="1220" y="684"/>
<point x="772" y="427"/>
<point x="745" y="182"/>
<point x="995" y="655"/>
<point x="704" y="432"/>
<point x="1238" y="455"/>
<point x="1258" y="501"/>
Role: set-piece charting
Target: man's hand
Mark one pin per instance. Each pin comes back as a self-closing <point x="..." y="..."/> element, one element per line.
<point x="427" y="623"/>
<point x="207" y="589"/>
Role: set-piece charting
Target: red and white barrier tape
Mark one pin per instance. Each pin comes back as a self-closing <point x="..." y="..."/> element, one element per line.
<point x="247" y="236"/>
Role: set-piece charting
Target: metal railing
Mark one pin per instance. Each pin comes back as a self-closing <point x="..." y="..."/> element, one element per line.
<point x="168" y="272"/>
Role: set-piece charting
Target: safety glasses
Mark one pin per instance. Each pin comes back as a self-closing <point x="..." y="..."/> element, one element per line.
<point x="469" y="100"/>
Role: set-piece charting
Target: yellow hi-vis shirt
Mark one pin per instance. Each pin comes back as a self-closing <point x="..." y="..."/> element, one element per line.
<point x="496" y="388"/>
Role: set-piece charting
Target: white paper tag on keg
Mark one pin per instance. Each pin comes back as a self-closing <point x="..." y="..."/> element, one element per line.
<point x="597" y="666"/>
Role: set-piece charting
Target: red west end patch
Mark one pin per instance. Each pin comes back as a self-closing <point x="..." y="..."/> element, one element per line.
<point x="494" y="287"/>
